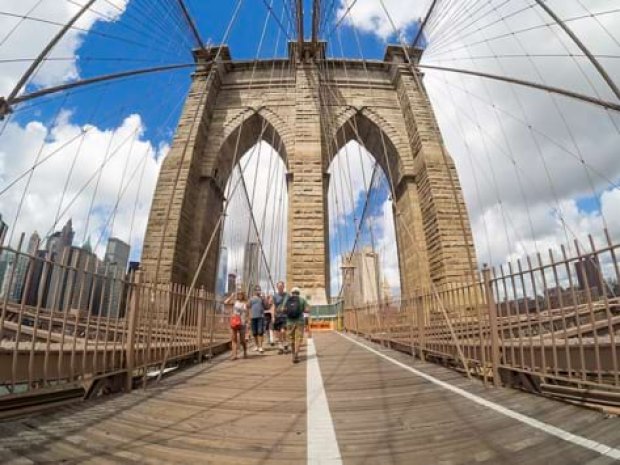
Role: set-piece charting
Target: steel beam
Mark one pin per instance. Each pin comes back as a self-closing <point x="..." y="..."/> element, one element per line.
<point x="534" y="85"/>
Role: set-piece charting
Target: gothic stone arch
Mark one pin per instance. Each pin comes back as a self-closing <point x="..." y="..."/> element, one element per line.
<point x="307" y="110"/>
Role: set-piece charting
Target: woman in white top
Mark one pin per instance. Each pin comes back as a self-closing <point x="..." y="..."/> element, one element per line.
<point x="238" y="319"/>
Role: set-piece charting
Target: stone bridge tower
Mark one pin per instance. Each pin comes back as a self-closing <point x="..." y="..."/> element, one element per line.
<point x="308" y="107"/>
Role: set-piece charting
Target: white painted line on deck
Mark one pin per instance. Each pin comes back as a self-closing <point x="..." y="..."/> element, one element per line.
<point x="322" y="443"/>
<point x="602" y="449"/>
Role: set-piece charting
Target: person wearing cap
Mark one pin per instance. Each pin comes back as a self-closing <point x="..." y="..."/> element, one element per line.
<point x="295" y="308"/>
<point x="258" y="305"/>
<point x="279" y="324"/>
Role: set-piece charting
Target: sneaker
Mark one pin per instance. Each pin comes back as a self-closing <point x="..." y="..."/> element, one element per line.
<point x="255" y="349"/>
<point x="260" y="349"/>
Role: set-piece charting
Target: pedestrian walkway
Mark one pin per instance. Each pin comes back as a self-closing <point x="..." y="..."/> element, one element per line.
<point x="368" y="407"/>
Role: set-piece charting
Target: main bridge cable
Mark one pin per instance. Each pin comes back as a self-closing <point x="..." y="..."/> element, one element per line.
<point x="342" y="18"/>
<point x="12" y="99"/>
<point x="107" y="118"/>
<point x="5" y="103"/>
<point x="597" y="65"/>
<point x="599" y="101"/>
<point x="192" y="25"/>
<point x="93" y="80"/>
<point x="521" y="82"/>
<point x="562" y="117"/>
<point x="502" y="19"/>
<point x="418" y="36"/>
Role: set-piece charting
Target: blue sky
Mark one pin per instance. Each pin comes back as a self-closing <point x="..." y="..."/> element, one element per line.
<point x="142" y="45"/>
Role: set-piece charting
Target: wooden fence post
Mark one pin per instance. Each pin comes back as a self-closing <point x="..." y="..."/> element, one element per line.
<point x="419" y="304"/>
<point x="202" y="307"/>
<point x="492" y="309"/>
<point x="213" y="306"/>
<point x="132" y="319"/>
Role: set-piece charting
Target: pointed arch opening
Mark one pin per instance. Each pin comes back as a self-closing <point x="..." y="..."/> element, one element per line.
<point x="363" y="245"/>
<point x="251" y="173"/>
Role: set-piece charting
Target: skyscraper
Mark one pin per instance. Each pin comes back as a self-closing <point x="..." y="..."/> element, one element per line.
<point x="14" y="270"/>
<point x="232" y="283"/>
<point x="587" y="270"/>
<point x="3" y="230"/>
<point x="361" y="277"/>
<point x="222" y="273"/>
<point x="250" y="266"/>
<point x="59" y="253"/>
<point x="33" y="243"/>
<point x="59" y="240"/>
<point x="115" y="263"/>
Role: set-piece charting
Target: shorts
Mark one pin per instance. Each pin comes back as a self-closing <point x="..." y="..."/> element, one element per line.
<point x="280" y="323"/>
<point x="241" y="331"/>
<point x="295" y="328"/>
<point x="267" y="325"/>
<point x="258" y="326"/>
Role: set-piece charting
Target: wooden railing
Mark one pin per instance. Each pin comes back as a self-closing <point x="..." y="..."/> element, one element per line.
<point x="70" y="322"/>
<point x="546" y="326"/>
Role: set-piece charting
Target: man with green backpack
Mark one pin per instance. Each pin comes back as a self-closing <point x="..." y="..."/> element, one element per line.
<point x="295" y="307"/>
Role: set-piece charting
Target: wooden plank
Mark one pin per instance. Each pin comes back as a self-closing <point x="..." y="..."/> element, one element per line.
<point x="385" y="414"/>
<point x="242" y="412"/>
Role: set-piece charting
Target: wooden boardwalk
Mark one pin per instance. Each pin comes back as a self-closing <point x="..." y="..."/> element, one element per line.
<point x="254" y="412"/>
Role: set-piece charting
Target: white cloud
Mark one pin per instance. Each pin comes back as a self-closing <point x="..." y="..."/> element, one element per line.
<point x="25" y="39"/>
<point x="521" y="153"/>
<point x="369" y="15"/>
<point x="127" y="154"/>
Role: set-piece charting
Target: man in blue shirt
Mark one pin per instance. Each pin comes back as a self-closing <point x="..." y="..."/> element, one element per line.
<point x="258" y="305"/>
<point x="279" y="325"/>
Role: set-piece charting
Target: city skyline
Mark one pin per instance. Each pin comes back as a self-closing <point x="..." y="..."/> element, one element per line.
<point x="53" y="273"/>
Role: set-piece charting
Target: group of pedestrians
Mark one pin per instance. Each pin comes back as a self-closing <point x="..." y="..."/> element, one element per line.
<point x="280" y="317"/>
